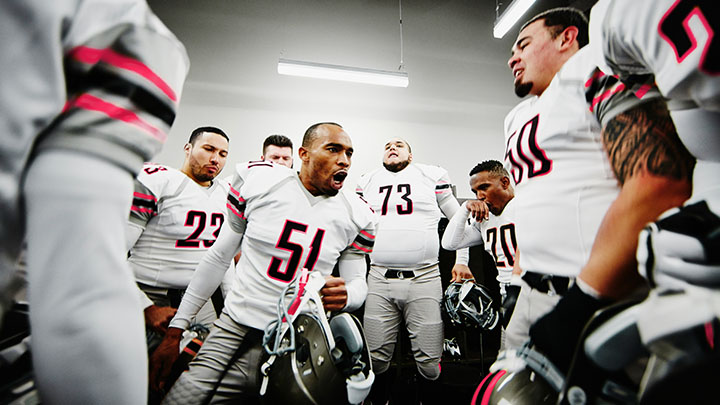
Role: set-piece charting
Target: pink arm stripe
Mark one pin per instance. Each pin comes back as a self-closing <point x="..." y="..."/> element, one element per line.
<point x="606" y="95"/>
<point x="142" y="210"/>
<point x="91" y="55"/>
<point x="364" y="249"/>
<point x="597" y="75"/>
<point x="144" y="196"/>
<point x="367" y="234"/>
<point x="234" y="211"/>
<point x="92" y="103"/>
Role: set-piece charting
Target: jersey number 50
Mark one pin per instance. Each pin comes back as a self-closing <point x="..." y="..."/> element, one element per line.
<point x="296" y="251"/>
<point x="527" y="159"/>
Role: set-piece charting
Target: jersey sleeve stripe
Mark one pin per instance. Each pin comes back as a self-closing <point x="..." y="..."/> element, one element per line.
<point x="441" y="186"/>
<point x="604" y="96"/>
<point x="362" y="248"/>
<point x="93" y="103"/>
<point x="92" y="56"/>
<point x="142" y="196"/>
<point x="367" y="235"/>
<point x="236" y="204"/>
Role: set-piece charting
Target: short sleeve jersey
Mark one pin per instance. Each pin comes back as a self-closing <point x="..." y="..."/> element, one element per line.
<point x="181" y="220"/>
<point x="286" y="229"/>
<point x="674" y="39"/>
<point x="564" y="184"/>
<point x="407" y="204"/>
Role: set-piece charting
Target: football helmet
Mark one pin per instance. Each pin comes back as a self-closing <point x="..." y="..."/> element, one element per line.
<point x="315" y="361"/>
<point x="532" y="380"/>
<point x="470" y="304"/>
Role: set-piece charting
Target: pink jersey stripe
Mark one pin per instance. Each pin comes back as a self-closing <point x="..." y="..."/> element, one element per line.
<point x="640" y="93"/>
<point x="92" y="55"/>
<point x="92" y="103"/>
<point x="142" y="210"/>
<point x="367" y="234"/>
<point x="237" y="193"/>
<point x="606" y="95"/>
<point x="144" y="196"/>
<point x="234" y="211"/>
<point x="358" y="247"/>
<point x="447" y="190"/>
<point x="597" y="75"/>
<point x="710" y="335"/>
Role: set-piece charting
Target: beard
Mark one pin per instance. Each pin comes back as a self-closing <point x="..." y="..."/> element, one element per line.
<point x="396" y="167"/>
<point x="203" y="177"/>
<point x="523" y="89"/>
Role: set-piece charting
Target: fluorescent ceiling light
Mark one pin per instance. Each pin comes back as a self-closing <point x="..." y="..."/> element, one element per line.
<point x="343" y="73"/>
<point x="510" y="16"/>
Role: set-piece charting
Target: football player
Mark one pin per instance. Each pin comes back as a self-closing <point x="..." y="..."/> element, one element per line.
<point x="282" y="220"/>
<point x="568" y="174"/>
<point x="404" y="280"/>
<point x="175" y="217"/>
<point x="493" y="226"/>
<point x="90" y="90"/>
<point x="672" y="40"/>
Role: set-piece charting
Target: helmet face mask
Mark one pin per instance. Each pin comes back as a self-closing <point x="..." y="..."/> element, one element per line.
<point x="315" y="360"/>
<point x="470" y="304"/>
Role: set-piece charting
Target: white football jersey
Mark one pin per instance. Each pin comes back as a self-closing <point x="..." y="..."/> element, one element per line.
<point x="496" y="234"/>
<point x="674" y="40"/>
<point x="286" y="229"/>
<point x="181" y="220"/>
<point x="563" y="181"/>
<point x="668" y="38"/>
<point x="408" y="207"/>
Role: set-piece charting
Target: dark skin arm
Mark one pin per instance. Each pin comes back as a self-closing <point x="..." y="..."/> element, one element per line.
<point x="654" y="170"/>
<point x="163" y="358"/>
<point x="157" y="318"/>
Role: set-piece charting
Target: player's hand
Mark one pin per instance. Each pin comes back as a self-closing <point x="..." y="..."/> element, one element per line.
<point x="478" y="210"/>
<point x="334" y="293"/>
<point x="164" y="357"/>
<point x="682" y="248"/>
<point x="461" y="273"/>
<point x="157" y="318"/>
<point x="556" y="334"/>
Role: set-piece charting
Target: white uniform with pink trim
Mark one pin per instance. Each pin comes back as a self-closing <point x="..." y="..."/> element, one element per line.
<point x="409" y="205"/>
<point x="90" y="89"/>
<point x="677" y="41"/>
<point x="563" y="181"/>
<point x="180" y="220"/>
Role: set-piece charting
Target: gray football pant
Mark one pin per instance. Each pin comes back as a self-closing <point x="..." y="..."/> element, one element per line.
<point x="531" y="305"/>
<point x="88" y="335"/>
<point x="243" y="377"/>
<point x="416" y="301"/>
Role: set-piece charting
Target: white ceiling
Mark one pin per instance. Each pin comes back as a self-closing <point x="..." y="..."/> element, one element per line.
<point x="451" y="113"/>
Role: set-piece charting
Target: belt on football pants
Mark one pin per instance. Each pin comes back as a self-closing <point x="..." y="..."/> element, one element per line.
<point x="403" y="273"/>
<point x="547" y="283"/>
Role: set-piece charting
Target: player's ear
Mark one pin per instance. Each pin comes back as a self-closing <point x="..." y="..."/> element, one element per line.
<point x="568" y="37"/>
<point x="505" y="181"/>
<point x="303" y="154"/>
<point x="187" y="147"/>
<point x="410" y="157"/>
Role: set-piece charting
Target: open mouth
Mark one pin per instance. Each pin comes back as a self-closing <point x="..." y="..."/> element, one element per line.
<point x="338" y="179"/>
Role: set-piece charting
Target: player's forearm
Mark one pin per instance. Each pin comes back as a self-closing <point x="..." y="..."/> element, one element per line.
<point x="353" y="270"/>
<point x="458" y="234"/>
<point x="207" y="277"/>
<point x="612" y="268"/>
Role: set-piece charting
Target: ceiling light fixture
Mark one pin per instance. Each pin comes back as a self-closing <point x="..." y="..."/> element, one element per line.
<point x="342" y="73"/>
<point x="509" y="17"/>
<point x="347" y="73"/>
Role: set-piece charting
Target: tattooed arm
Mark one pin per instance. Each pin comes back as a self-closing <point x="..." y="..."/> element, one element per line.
<point x="655" y="172"/>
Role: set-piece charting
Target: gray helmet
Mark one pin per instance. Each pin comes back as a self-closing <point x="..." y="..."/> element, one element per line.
<point x="470" y="304"/>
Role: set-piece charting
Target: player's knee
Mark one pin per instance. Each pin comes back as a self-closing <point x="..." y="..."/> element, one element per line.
<point x="429" y="370"/>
